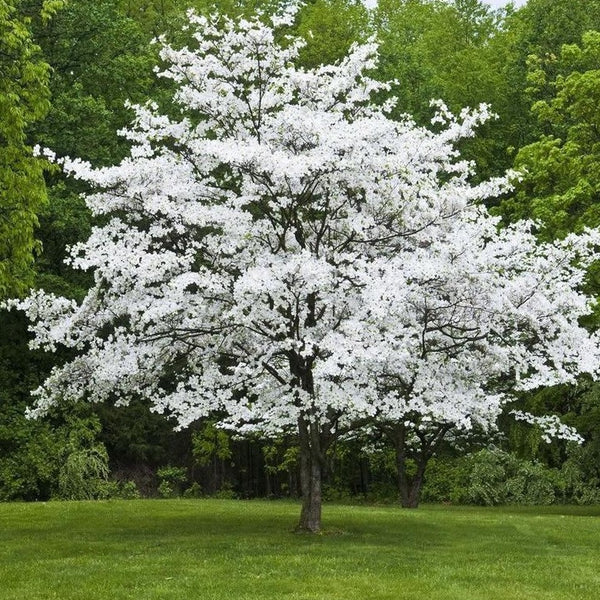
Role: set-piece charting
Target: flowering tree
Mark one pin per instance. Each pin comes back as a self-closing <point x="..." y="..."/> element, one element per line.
<point x="286" y="255"/>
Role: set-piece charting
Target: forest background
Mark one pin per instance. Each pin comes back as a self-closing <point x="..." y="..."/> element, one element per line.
<point x="67" y="69"/>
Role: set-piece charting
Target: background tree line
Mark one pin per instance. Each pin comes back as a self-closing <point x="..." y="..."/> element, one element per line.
<point x="67" y="69"/>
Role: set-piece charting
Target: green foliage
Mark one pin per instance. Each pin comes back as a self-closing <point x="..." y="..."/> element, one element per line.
<point x="64" y="221"/>
<point x="581" y="469"/>
<point x="440" y="50"/>
<point x="30" y="451"/>
<point x="23" y="101"/>
<point x="535" y="36"/>
<point x="83" y="474"/>
<point x="194" y="491"/>
<point x="580" y="476"/>
<point x="493" y="477"/>
<point x="100" y="59"/>
<point x="50" y="8"/>
<point x="561" y="171"/>
<point x="280" y="456"/>
<point x="171" y="481"/>
<point x="122" y="490"/>
<point x="154" y="16"/>
<point x="561" y="168"/>
<point x="545" y="25"/>
<point x="134" y="437"/>
<point x="281" y="462"/>
<point x="330" y="27"/>
<point x="29" y="459"/>
<point x="497" y="477"/>
<point x="460" y="52"/>
<point x="209" y="443"/>
<point x="225" y="492"/>
<point x="158" y="17"/>
<point x="409" y="33"/>
<point x="212" y="450"/>
<point x="446" y="480"/>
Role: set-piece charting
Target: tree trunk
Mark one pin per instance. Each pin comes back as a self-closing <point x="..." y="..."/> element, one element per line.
<point x="409" y="487"/>
<point x="312" y="436"/>
<point x="311" y="469"/>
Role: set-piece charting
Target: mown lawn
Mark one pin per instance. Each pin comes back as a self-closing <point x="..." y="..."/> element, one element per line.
<point x="219" y="549"/>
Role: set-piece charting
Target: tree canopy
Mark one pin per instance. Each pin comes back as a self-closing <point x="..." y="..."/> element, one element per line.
<point x="559" y="184"/>
<point x="24" y="99"/>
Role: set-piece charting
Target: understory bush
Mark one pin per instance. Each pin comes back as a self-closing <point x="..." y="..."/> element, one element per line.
<point x="492" y="477"/>
<point x="497" y="477"/>
<point x="171" y="481"/>
<point x="29" y="469"/>
<point x="84" y="471"/>
<point x="119" y="490"/>
<point x="194" y="491"/>
<point x="580" y="476"/>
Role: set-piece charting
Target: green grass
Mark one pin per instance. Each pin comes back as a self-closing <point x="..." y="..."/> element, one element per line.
<point x="218" y="549"/>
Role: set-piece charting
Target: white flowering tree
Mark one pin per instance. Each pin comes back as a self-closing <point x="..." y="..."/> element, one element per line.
<point x="286" y="255"/>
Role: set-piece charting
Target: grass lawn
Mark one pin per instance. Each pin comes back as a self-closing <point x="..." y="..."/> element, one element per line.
<point x="221" y="549"/>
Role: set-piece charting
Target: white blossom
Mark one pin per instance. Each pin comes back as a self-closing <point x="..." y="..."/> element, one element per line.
<point x="284" y="251"/>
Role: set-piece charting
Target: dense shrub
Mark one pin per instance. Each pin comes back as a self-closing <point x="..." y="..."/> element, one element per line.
<point x="491" y="477"/>
<point x="84" y="471"/>
<point x="581" y="484"/>
<point x="172" y="480"/>
<point x="29" y="471"/>
<point x="194" y="491"/>
<point x="446" y="480"/>
<point x="497" y="477"/>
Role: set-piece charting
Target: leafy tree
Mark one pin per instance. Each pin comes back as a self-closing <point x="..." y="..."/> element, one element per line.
<point x="28" y="450"/>
<point x="159" y="17"/>
<point x="330" y="27"/>
<point x="23" y="100"/>
<point x="537" y="31"/>
<point x="100" y="60"/>
<point x="287" y="255"/>
<point x="559" y="188"/>
<point x="561" y="171"/>
<point x="211" y="447"/>
<point x="442" y="50"/>
<point x="545" y="25"/>
<point x="155" y="16"/>
<point x="459" y="52"/>
<point x="410" y="34"/>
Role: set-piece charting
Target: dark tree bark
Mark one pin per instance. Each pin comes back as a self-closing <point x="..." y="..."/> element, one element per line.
<point x="410" y="485"/>
<point x="311" y="475"/>
<point x="315" y="432"/>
